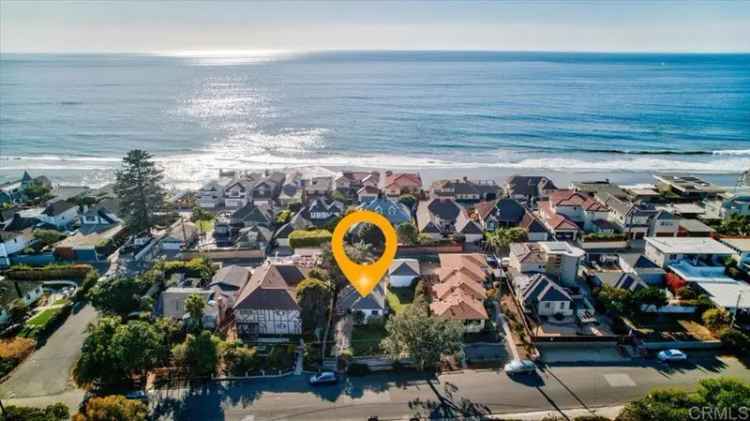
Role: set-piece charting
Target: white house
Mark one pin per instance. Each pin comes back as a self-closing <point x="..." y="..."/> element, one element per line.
<point x="579" y="208"/>
<point x="12" y="242"/>
<point x="663" y="224"/>
<point x="556" y="258"/>
<point x="211" y="195"/>
<point x="371" y="306"/>
<point x="544" y="297"/>
<point x="60" y="214"/>
<point x="237" y="194"/>
<point x="403" y="272"/>
<point x="666" y="250"/>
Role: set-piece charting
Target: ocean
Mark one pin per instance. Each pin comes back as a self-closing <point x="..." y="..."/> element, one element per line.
<point x="74" y="116"/>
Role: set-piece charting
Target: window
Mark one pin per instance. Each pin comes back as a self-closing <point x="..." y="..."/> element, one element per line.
<point x="375" y="312"/>
<point x="548" y="305"/>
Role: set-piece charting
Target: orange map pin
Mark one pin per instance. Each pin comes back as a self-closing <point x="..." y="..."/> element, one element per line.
<point x="364" y="277"/>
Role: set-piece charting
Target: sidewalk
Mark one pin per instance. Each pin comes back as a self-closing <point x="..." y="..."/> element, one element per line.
<point x="500" y="319"/>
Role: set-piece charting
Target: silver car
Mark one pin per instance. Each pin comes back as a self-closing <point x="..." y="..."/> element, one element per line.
<point x="520" y="367"/>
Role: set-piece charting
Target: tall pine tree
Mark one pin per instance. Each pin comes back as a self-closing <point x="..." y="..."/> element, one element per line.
<point x="139" y="189"/>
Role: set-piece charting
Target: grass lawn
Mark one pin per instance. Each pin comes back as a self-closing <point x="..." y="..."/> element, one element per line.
<point x="399" y="297"/>
<point x="41" y="318"/>
<point x="671" y="327"/>
<point x="366" y="340"/>
<point x="205" y="225"/>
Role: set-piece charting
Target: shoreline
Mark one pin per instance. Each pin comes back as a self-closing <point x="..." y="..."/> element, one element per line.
<point x="562" y="178"/>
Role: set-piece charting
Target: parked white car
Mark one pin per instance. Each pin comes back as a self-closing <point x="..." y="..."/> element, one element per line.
<point x="519" y="367"/>
<point x="671" y="355"/>
<point x="325" y="377"/>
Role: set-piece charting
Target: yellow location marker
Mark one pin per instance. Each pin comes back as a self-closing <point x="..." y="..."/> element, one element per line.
<point x="364" y="277"/>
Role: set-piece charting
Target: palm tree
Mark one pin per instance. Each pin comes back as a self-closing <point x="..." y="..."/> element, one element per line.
<point x="499" y="241"/>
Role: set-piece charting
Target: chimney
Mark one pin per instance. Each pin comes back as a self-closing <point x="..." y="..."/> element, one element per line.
<point x="388" y="173"/>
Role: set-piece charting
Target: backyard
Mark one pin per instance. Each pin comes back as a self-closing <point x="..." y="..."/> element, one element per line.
<point x="399" y="298"/>
<point x="665" y="327"/>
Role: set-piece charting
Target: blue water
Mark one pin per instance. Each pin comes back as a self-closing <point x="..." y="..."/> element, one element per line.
<point x="78" y="114"/>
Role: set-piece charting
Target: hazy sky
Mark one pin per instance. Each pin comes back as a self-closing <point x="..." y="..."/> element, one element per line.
<point x="147" y="26"/>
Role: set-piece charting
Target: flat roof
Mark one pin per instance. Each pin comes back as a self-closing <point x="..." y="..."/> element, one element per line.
<point x="739" y="244"/>
<point x="689" y="245"/>
<point x="722" y="289"/>
<point x="694" y="225"/>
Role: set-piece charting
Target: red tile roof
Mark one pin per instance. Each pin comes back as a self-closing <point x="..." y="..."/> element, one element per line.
<point x="575" y="198"/>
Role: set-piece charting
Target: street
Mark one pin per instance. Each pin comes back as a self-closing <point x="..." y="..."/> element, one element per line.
<point x="470" y="392"/>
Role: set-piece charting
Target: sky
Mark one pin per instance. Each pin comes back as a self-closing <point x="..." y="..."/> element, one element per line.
<point x="176" y="26"/>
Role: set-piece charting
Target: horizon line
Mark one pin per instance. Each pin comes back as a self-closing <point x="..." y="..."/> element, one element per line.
<point x="226" y="51"/>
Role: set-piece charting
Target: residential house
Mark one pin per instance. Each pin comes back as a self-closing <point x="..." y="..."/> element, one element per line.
<point x="318" y="186"/>
<point x="372" y="306"/>
<point x="694" y="228"/>
<point x="535" y="230"/>
<point x="97" y="219"/>
<point x="172" y="305"/>
<point x="642" y="266"/>
<point x="238" y="193"/>
<point x="396" y="184"/>
<point x="741" y="248"/>
<point x="403" y="272"/>
<point x="13" y="192"/>
<point x="632" y="219"/>
<point x="317" y="214"/>
<point x="267" y="189"/>
<point x="688" y="186"/>
<point x="618" y="279"/>
<point x="251" y="214"/>
<point x="228" y="281"/>
<point x="59" y="214"/>
<point x="396" y="212"/>
<point x="350" y="182"/>
<point x="578" y="207"/>
<point x="560" y="226"/>
<point x="642" y="194"/>
<point x="599" y="187"/>
<point x="437" y="217"/>
<point x="180" y="237"/>
<point x="460" y="293"/>
<point x="254" y="237"/>
<point x="529" y="189"/>
<point x="542" y="296"/>
<point x="502" y="213"/>
<point x="367" y="194"/>
<point x="290" y="193"/>
<point x="663" y="224"/>
<point x="725" y="292"/>
<point x="224" y="233"/>
<point x="13" y="242"/>
<point x="266" y="305"/>
<point x="211" y="194"/>
<point x="465" y="190"/>
<point x="468" y="227"/>
<point x="90" y="246"/>
<point x="556" y="258"/>
<point x="665" y="251"/>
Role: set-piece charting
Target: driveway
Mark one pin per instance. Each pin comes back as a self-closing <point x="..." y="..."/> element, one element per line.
<point x="47" y="370"/>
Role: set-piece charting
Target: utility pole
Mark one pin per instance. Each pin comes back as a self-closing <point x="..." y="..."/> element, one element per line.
<point x="737" y="307"/>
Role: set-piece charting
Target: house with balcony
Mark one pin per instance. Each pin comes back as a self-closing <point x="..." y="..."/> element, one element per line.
<point x="578" y="207"/>
<point x="60" y="214"/>
<point x="211" y="194"/>
<point x="350" y="182"/>
<point x="502" y="213"/>
<point x="237" y="193"/>
<point x="529" y="189"/>
<point x="556" y="258"/>
<point x="688" y="187"/>
<point x="634" y="220"/>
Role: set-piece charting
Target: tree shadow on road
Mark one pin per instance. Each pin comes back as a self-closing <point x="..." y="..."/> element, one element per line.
<point x="448" y="405"/>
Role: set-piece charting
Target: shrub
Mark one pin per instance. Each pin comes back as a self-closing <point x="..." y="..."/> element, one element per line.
<point x="13" y="351"/>
<point x="88" y="282"/>
<point x="358" y="369"/>
<point x="199" y="267"/>
<point x="51" y="272"/>
<point x="687" y="293"/>
<point x="591" y="418"/>
<point x="281" y="357"/>
<point x="716" y="318"/>
<point x="56" y="412"/>
<point x="312" y="238"/>
<point x="240" y="360"/>
<point x="735" y="341"/>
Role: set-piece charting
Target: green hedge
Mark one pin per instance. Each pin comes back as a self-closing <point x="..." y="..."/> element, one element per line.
<point x="199" y="267"/>
<point x="48" y="273"/>
<point x="312" y="238"/>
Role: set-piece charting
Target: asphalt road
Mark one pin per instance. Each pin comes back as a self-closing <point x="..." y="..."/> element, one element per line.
<point x="393" y="396"/>
<point x="47" y="371"/>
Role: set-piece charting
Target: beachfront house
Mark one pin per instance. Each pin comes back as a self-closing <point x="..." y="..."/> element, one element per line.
<point x="60" y="214"/>
<point x="465" y="190"/>
<point x="529" y="189"/>
<point x="211" y="194"/>
<point x="396" y="184"/>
